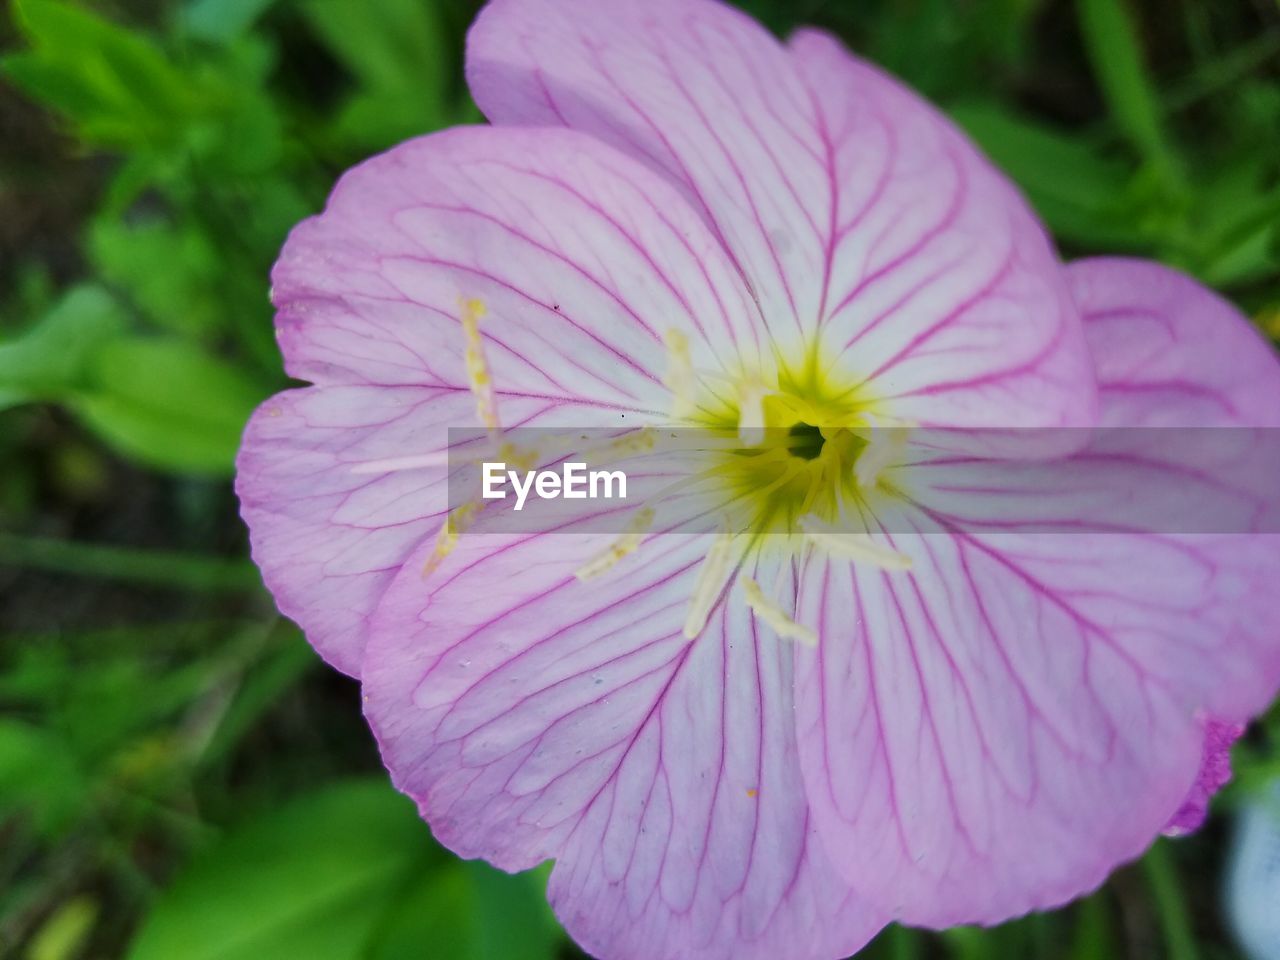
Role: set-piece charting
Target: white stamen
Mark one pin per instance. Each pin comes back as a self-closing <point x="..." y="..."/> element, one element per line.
<point x="772" y="614"/>
<point x="625" y="545"/>
<point x="883" y="449"/>
<point x="858" y="547"/>
<point x="712" y="576"/>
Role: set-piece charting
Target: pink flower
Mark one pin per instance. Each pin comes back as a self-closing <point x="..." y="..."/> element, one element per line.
<point x="737" y="750"/>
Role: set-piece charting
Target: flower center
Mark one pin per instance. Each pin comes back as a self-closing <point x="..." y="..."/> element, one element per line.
<point x="798" y="459"/>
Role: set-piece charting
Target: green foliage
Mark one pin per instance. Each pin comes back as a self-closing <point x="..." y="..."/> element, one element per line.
<point x="167" y="403"/>
<point x="344" y="873"/>
<point x="1117" y="58"/>
<point x="397" y="52"/>
<point x="115" y="86"/>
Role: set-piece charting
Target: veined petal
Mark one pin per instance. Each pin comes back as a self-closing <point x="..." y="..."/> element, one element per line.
<point x="1170" y="352"/>
<point x="997" y="730"/>
<point x="535" y="716"/>
<point x="578" y="258"/>
<point x="942" y="289"/>
<point x="540" y="267"/>
<point x="866" y="225"/>
<point x="339" y="485"/>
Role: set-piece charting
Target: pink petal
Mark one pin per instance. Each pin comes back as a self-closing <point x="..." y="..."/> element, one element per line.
<point x="583" y="260"/>
<point x="533" y="716"/>
<point x="335" y="503"/>
<point x="857" y="214"/>
<point x="1170" y="352"/>
<point x="998" y="730"/>
<point x="1215" y="773"/>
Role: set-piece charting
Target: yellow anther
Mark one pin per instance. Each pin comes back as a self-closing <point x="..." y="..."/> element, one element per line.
<point x="681" y="379"/>
<point x="458" y="520"/>
<point x="772" y="614"/>
<point x="712" y="576"/>
<point x="473" y="312"/>
<point x="625" y="545"/>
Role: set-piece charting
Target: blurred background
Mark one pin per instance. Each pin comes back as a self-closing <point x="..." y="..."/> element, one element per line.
<point x="180" y="777"/>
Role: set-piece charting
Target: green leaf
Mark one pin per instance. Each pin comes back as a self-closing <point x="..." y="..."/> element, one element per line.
<point x="169" y="273"/>
<point x="312" y="880"/>
<point x="54" y="357"/>
<point x="1074" y="187"/>
<point x="38" y="777"/>
<point x="155" y="568"/>
<point x="117" y="87"/>
<point x="469" y="911"/>
<point x="348" y="873"/>
<point x="1116" y="54"/>
<point x="168" y="403"/>
<point x="399" y="56"/>
<point x="221" y="21"/>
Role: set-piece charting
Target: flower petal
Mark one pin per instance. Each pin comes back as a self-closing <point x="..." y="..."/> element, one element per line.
<point x="1170" y="352"/>
<point x="532" y="716"/>
<point x="997" y="730"/>
<point x="582" y="260"/>
<point x="339" y="485"/>
<point x="857" y="213"/>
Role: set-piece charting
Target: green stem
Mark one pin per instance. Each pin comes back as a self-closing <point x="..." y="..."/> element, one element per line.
<point x="904" y="944"/>
<point x="154" y="567"/>
<point x="1170" y="904"/>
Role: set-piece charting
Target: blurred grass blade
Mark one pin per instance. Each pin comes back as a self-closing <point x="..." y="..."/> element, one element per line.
<point x="904" y="943"/>
<point x="154" y="567"/>
<point x="263" y="687"/>
<point x="1111" y="41"/>
<point x="1069" y="182"/>
<point x="1170" y="904"/>
<point x="1093" y="938"/>
<point x="65" y="934"/>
